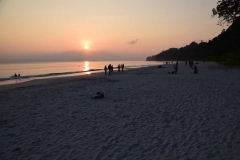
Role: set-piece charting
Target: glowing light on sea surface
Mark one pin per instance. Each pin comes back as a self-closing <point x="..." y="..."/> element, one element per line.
<point x="86" y="67"/>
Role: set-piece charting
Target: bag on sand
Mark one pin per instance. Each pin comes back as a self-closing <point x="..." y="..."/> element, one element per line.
<point x="98" y="95"/>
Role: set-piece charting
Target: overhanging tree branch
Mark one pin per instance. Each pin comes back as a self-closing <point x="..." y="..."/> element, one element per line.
<point x="227" y="11"/>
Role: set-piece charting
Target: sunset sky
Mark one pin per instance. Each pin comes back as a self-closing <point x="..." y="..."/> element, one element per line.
<point x="45" y="30"/>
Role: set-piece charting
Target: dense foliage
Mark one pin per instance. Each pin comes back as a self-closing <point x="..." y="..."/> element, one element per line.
<point x="224" y="48"/>
<point x="227" y="11"/>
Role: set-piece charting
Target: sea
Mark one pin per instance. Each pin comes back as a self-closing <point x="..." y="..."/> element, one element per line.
<point x="43" y="70"/>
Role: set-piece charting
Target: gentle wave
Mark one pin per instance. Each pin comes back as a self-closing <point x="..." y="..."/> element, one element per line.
<point x="64" y="73"/>
<point x="46" y="75"/>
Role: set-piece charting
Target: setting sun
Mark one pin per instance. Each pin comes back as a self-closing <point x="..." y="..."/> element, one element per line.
<point x="86" y="47"/>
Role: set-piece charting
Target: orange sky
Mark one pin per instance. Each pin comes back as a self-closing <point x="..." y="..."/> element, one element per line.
<point x="132" y="28"/>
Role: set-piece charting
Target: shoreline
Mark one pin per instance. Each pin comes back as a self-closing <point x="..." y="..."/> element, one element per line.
<point x="58" y="69"/>
<point x="146" y="113"/>
<point x="71" y="78"/>
<point x="63" y="79"/>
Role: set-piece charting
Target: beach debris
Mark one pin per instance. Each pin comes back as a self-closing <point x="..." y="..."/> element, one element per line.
<point x="160" y="66"/>
<point x="98" y="95"/>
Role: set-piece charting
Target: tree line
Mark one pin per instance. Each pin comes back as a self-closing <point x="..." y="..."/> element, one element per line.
<point x="225" y="46"/>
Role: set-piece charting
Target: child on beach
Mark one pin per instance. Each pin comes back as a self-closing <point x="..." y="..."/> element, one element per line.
<point x="176" y="68"/>
<point x="105" y="69"/>
<point x="195" y="70"/>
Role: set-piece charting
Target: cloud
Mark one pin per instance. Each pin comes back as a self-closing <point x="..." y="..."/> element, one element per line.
<point x="132" y="42"/>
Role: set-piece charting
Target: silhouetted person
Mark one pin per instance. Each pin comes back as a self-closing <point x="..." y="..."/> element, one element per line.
<point x="191" y="64"/>
<point x="105" y="69"/>
<point x="119" y="67"/>
<point x="195" y="69"/>
<point x="109" y="68"/>
<point x="18" y="75"/>
<point x="176" y="68"/>
<point x="112" y="69"/>
<point x="122" y="67"/>
<point x="15" y="75"/>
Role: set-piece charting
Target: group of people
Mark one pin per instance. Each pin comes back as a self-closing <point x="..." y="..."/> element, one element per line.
<point x="191" y="64"/>
<point x="15" y="75"/>
<point x="110" y="68"/>
<point x="167" y="62"/>
<point x="175" y="67"/>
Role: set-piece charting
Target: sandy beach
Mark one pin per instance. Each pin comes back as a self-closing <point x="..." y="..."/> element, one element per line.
<point x="146" y="114"/>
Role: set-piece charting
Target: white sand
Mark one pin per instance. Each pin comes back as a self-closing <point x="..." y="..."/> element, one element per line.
<point x="146" y="114"/>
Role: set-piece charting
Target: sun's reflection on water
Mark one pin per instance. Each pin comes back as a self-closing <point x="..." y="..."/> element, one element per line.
<point x="87" y="67"/>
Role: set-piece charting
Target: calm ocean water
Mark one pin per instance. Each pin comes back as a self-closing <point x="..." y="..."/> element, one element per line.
<point x="29" y="71"/>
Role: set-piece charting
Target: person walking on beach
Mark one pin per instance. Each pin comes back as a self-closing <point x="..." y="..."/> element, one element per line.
<point x="122" y="67"/>
<point x="118" y="67"/>
<point x="105" y="69"/>
<point x="109" y="68"/>
<point x="112" y="69"/>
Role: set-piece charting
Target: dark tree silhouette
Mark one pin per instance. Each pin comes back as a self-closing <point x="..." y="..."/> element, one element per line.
<point x="223" y="48"/>
<point x="227" y="11"/>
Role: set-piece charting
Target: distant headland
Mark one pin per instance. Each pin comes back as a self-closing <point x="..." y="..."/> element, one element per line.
<point x="224" y="49"/>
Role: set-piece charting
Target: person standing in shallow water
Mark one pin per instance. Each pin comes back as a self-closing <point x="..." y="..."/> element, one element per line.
<point x="105" y="69"/>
